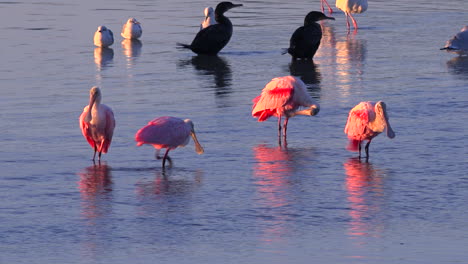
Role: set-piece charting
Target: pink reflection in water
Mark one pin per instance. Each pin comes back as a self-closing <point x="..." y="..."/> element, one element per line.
<point x="365" y="192"/>
<point x="95" y="184"/>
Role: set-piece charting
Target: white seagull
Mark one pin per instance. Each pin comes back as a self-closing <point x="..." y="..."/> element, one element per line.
<point x="131" y="29"/>
<point x="209" y="18"/>
<point x="103" y="37"/>
<point x="459" y="42"/>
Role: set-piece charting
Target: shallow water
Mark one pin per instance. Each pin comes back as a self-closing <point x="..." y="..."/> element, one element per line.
<point x="247" y="199"/>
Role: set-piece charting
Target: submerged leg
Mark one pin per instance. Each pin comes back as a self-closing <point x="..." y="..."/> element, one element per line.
<point x="285" y="126"/>
<point x="166" y="157"/>
<point x="95" y="150"/>
<point x="359" y="150"/>
<point x="347" y="20"/>
<point x="279" y="126"/>
<point x="354" y="22"/>
<point x="99" y="156"/>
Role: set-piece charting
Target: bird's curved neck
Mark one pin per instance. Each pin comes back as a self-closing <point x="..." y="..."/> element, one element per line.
<point x="222" y="19"/>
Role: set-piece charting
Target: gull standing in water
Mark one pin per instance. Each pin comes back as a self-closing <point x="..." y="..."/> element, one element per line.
<point x="131" y="29"/>
<point x="209" y="18"/>
<point x="103" y="37"/>
<point x="97" y="123"/>
<point x="212" y="39"/>
<point x="458" y="43"/>
<point x="305" y="40"/>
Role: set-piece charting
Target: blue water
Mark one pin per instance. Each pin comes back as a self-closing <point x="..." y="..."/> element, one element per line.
<point x="247" y="199"/>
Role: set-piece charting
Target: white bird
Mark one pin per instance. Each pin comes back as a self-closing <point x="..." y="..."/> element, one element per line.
<point x="131" y="29"/>
<point x="103" y="37"/>
<point x="459" y="42"/>
<point x="209" y="18"/>
<point x="351" y="7"/>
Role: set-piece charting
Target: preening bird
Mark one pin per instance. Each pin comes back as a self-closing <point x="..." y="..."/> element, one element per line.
<point x="131" y="29"/>
<point x="458" y="43"/>
<point x="209" y="18"/>
<point x="305" y="41"/>
<point x="103" y="37"/>
<point x="169" y="133"/>
<point x="365" y="121"/>
<point x="283" y="96"/>
<point x="351" y="7"/>
<point x="97" y="123"/>
<point x="212" y="39"/>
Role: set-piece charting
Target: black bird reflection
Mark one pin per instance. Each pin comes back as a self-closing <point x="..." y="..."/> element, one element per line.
<point x="216" y="66"/>
<point x="308" y="72"/>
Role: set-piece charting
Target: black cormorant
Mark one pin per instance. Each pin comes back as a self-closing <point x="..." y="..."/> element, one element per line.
<point x="306" y="39"/>
<point x="212" y="39"/>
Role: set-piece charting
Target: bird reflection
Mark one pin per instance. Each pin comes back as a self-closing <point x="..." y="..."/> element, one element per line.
<point x="95" y="186"/>
<point x="272" y="173"/>
<point x="131" y="49"/>
<point x="216" y="66"/>
<point x="103" y="57"/>
<point x="459" y="66"/>
<point x="350" y="55"/>
<point x="167" y="183"/>
<point x="309" y="74"/>
<point x="365" y="194"/>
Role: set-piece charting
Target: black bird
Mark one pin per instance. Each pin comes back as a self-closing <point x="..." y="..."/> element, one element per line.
<point x="212" y="39"/>
<point x="306" y="39"/>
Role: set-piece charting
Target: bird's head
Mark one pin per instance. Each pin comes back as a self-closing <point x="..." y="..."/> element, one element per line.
<point x="381" y="112"/>
<point x="102" y="28"/>
<point x="94" y="95"/>
<point x="225" y="6"/>
<point x="133" y="21"/>
<point x="315" y="16"/>
<point x="198" y="148"/>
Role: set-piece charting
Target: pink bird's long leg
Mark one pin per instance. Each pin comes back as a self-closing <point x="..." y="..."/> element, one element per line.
<point x="95" y="150"/>
<point x="330" y="10"/>
<point x="165" y="157"/>
<point x="285" y="126"/>
<point x="347" y="20"/>
<point x="359" y="149"/>
<point x="367" y="149"/>
<point x="354" y="21"/>
<point x="279" y="126"/>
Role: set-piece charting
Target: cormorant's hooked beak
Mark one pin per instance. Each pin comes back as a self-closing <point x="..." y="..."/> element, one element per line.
<point x="331" y="18"/>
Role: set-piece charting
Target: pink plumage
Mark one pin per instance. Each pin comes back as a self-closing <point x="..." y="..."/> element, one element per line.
<point x="365" y="121"/>
<point x="97" y="123"/>
<point x="169" y="133"/>
<point x="283" y="96"/>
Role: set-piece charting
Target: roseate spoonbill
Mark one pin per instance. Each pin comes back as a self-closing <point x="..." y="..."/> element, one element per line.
<point x="365" y="121"/>
<point x="97" y="123"/>
<point x="330" y="10"/>
<point x="305" y="40"/>
<point x="131" y="29"/>
<point x="351" y="7"/>
<point x="283" y="96"/>
<point x="103" y="37"/>
<point x="212" y="39"/>
<point x="459" y="42"/>
<point x="169" y="133"/>
<point x="209" y="18"/>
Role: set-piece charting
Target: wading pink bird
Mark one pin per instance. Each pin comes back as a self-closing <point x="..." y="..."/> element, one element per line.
<point x="169" y="133"/>
<point x="365" y="121"/>
<point x="97" y="123"/>
<point x="283" y="96"/>
<point x="330" y="10"/>
<point x="351" y="7"/>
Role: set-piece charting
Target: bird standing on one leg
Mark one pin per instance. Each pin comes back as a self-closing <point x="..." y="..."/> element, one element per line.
<point x="97" y="123"/>
<point x="365" y="121"/>
<point x="305" y="41"/>
<point x="283" y="96"/>
<point x="169" y="133"/>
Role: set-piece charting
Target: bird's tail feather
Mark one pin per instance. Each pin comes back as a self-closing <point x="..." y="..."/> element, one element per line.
<point x="353" y="145"/>
<point x="284" y="51"/>
<point x="182" y="46"/>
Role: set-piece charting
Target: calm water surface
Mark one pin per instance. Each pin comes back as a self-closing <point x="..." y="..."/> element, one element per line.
<point x="247" y="199"/>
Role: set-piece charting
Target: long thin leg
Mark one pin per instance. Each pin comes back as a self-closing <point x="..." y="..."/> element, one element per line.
<point x="354" y="21"/>
<point x="367" y="150"/>
<point x="99" y="156"/>
<point x="157" y="154"/>
<point x="347" y="21"/>
<point x="165" y="157"/>
<point x="279" y="126"/>
<point x="359" y="149"/>
<point x="285" y="126"/>
<point x="330" y="10"/>
<point x="95" y="150"/>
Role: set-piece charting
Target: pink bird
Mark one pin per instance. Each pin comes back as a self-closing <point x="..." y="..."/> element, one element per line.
<point x="330" y="10"/>
<point x="365" y="121"/>
<point x="283" y="96"/>
<point x="351" y="7"/>
<point x="169" y="133"/>
<point x="97" y="123"/>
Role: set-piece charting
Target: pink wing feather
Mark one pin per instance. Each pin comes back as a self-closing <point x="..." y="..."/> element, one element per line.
<point x="276" y="94"/>
<point x="164" y="132"/>
<point x="109" y="129"/>
<point x="85" y="128"/>
<point x="356" y="126"/>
